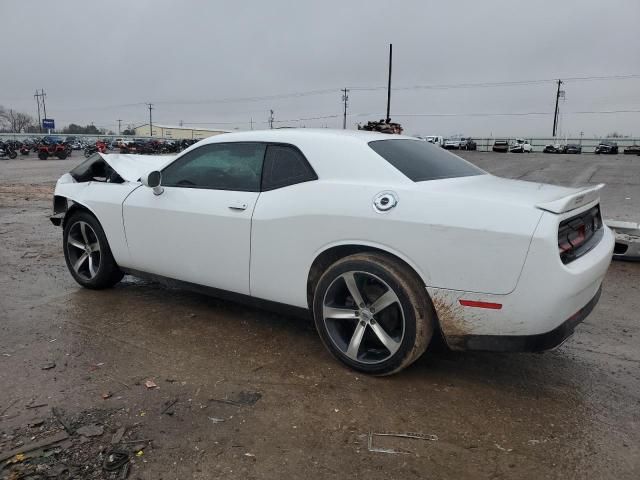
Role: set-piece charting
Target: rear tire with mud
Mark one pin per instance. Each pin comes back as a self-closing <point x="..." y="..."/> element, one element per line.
<point x="373" y="313"/>
<point x="87" y="252"/>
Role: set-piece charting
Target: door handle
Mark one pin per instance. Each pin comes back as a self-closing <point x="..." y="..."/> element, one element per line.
<point x="238" y="206"/>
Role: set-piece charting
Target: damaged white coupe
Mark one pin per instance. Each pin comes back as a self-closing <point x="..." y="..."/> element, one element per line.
<point x="387" y="240"/>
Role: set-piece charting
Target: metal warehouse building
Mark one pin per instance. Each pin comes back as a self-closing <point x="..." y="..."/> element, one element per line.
<point x="176" y="132"/>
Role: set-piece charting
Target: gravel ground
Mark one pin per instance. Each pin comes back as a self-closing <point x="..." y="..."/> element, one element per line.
<point x="245" y="393"/>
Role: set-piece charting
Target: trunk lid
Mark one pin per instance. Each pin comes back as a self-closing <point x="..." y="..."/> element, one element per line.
<point x="551" y="198"/>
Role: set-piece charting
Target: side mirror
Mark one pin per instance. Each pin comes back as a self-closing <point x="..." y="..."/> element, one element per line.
<point x="153" y="180"/>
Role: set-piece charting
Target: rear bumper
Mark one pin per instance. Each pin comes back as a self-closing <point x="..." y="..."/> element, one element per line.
<point x="525" y="343"/>
<point x="549" y="299"/>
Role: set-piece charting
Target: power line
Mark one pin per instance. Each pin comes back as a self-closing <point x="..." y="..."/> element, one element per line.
<point x="498" y="84"/>
<point x="362" y="89"/>
<point x="496" y="114"/>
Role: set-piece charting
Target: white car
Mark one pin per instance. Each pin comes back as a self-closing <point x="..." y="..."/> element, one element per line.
<point x="521" y="146"/>
<point x="435" y="139"/>
<point x="386" y="240"/>
<point x="452" y="143"/>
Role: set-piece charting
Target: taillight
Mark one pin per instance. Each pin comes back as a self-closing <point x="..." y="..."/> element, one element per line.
<point x="575" y="233"/>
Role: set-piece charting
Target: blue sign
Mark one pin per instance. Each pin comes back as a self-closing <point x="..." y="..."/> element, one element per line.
<point x="48" y="123"/>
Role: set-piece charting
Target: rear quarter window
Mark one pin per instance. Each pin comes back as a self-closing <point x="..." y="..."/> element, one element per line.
<point x="421" y="161"/>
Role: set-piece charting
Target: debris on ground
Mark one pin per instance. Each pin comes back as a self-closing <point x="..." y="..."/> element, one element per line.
<point x="168" y="407"/>
<point x="115" y="439"/>
<point x="107" y="395"/>
<point x="45" y="450"/>
<point x="242" y="399"/>
<point x="115" y="460"/>
<point x="19" y="453"/>
<point x="91" y="430"/>
<point x="150" y="384"/>
<point x="48" y="366"/>
<point x="216" y="420"/>
<point x="410" y="435"/>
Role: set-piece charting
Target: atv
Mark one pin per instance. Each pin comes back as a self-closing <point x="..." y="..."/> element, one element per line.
<point x="51" y="146"/>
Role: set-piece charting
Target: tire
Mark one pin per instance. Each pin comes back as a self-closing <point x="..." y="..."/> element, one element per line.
<point x="61" y="155"/>
<point x="406" y="324"/>
<point x="80" y="230"/>
<point x="13" y="155"/>
<point x="43" y="155"/>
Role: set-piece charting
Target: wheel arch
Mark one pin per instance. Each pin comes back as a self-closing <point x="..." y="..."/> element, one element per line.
<point x="334" y="252"/>
<point x="68" y="206"/>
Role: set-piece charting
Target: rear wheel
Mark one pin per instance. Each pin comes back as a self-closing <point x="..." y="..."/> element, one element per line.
<point x="373" y="313"/>
<point x="43" y="155"/>
<point x="87" y="252"/>
<point x="12" y="154"/>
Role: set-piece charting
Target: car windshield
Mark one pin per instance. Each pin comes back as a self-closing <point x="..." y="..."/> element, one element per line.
<point x="421" y="161"/>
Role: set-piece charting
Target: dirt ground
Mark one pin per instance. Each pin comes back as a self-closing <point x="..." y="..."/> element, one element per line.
<point x="245" y="393"/>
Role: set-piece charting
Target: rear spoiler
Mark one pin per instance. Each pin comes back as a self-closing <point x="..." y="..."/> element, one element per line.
<point x="573" y="201"/>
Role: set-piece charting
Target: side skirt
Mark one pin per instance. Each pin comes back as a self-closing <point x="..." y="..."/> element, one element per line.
<point x="276" y="307"/>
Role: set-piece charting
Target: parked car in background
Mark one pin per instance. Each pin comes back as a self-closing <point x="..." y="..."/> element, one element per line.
<point x="468" y="144"/>
<point x="554" y="148"/>
<point x="334" y="223"/>
<point x="453" y="143"/>
<point x="521" y="146"/>
<point x="435" y="139"/>
<point x="607" y="147"/>
<point x="632" y="150"/>
<point x="501" y="146"/>
<point x="573" y="148"/>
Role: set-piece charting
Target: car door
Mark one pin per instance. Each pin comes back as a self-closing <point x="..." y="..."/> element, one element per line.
<point x="199" y="228"/>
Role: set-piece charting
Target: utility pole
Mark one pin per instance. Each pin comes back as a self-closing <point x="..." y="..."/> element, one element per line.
<point x="37" y="97"/>
<point x="44" y="105"/>
<point x="271" y="119"/>
<point x="150" y="105"/>
<point x="345" y="99"/>
<point x="555" y="115"/>
<point x="251" y="122"/>
<point x="119" y="123"/>
<point x="389" y="84"/>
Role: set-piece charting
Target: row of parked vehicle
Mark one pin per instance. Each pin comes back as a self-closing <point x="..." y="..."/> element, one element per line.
<point x="54" y="146"/>
<point x="524" y="146"/>
<point x="606" y="147"/>
<point x="521" y="145"/>
<point x="453" y="143"/>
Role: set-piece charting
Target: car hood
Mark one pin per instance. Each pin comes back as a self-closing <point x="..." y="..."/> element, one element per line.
<point x="552" y="198"/>
<point x="132" y="167"/>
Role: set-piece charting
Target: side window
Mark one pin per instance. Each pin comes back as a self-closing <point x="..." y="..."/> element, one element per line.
<point x="218" y="166"/>
<point x="284" y="165"/>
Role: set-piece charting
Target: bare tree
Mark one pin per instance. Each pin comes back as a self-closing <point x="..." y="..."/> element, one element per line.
<point x="3" y="118"/>
<point x="16" y="122"/>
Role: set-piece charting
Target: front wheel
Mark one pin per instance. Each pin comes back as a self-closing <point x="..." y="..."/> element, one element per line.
<point x="43" y="155"/>
<point x="373" y="313"/>
<point x="87" y="252"/>
<point x="13" y="155"/>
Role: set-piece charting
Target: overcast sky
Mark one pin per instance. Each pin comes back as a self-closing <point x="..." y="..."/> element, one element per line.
<point x="101" y="61"/>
